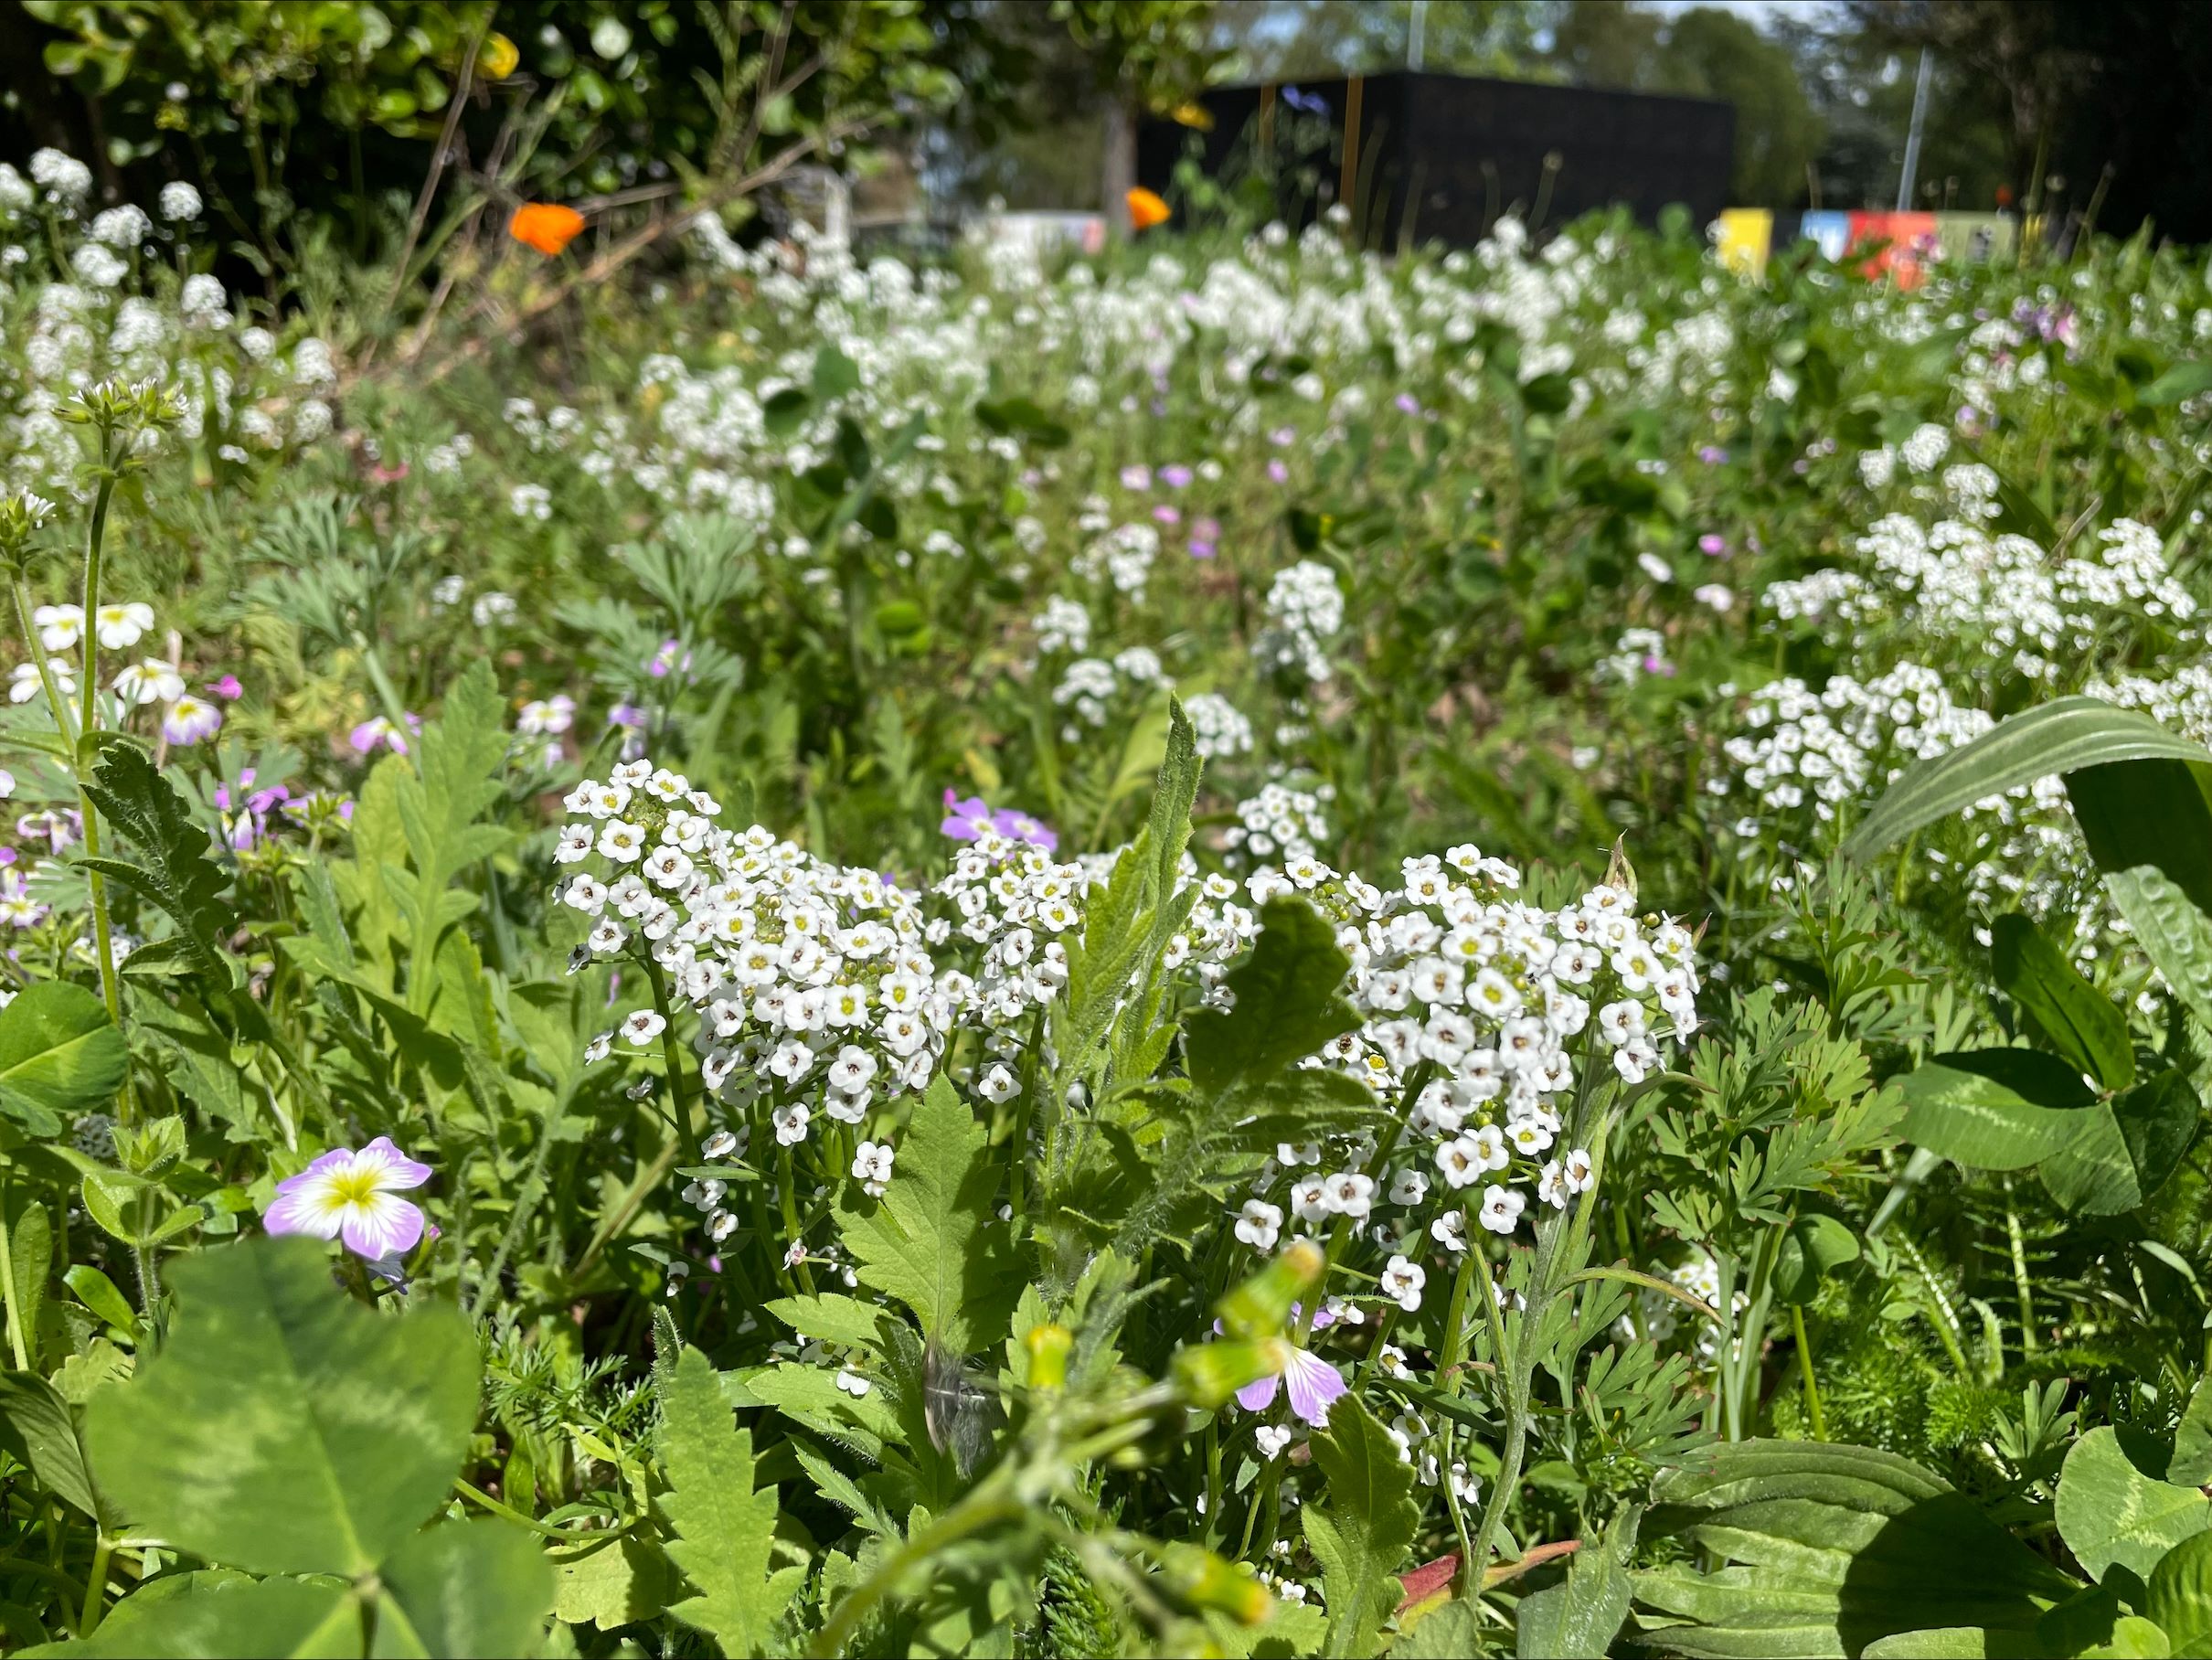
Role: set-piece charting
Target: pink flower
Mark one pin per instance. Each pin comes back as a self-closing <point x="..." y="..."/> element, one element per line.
<point x="377" y="732"/>
<point x="354" y="1196"/>
<point x="1315" y="1387"/>
<point x="1277" y="471"/>
<point x="1175" y="477"/>
<point x="227" y="689"/>
<point x="1712" y="544"/>
<point x="1019" y="826"/>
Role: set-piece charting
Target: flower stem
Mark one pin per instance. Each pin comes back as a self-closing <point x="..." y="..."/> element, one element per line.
<point x="7" y="1288"/>
<point x="96" y="1582"/>
<point x="1804" y="1367"/>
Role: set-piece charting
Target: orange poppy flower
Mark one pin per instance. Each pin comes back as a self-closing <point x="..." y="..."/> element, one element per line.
<point x="1146" y="209"/>
<point x="545" y="226"/>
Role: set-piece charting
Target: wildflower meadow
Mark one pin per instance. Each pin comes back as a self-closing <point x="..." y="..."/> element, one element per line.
<point x="1240" y="944"/>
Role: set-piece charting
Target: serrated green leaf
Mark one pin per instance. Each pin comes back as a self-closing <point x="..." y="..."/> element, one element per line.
<point x="832" y="1318"/>
<point x="618" y="1581"/>
<point x="285" y="1429"/>
<point x="176" y="873"/>
<point x="933" y="1240"/>
<point x="723" y="1530"/>
<point x="1287" y="1003"/>
<point x="1361" y="1533"/>
<point x="459" y="760"/>
<point x="1577" y="1618"/>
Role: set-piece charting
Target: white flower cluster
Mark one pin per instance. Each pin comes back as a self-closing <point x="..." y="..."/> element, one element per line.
<point x="1218" y="727"/>
<point x="1837" y="746"/>
<point x="1280" y="823"/>
<point x="1478" y="994"/>
<point x="1092" y="688"/>
<point x="811" y="982"/>
<point x="1304" y="612"/>
<point x="2000" y="596"/>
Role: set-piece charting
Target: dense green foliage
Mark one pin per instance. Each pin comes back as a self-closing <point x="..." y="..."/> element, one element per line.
<point x="762" y="870"/>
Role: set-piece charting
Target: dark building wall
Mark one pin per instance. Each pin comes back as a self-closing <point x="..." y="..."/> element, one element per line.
<point x="1462" y="150"/>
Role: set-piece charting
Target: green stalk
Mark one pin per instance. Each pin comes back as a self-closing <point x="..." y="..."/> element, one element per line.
<point x="1804" y="1367"/>
<point x="992" y="1502"/>
<point x="103" y="935"/>
<point x="96" y="1582"/>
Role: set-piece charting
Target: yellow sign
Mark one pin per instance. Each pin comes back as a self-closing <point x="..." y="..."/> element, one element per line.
<point x="1747" y="234"/>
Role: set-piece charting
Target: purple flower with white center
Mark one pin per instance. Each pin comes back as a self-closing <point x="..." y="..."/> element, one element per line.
<point x="1016" y="826"/>
<point x="669" y="658"/>
<point x="1313" y="1385"/>
<point x="190" y="721"/>
<point x="354" y="1196"/>
<point x="967" y="820"/>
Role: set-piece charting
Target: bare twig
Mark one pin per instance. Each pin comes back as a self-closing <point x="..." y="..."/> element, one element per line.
<point x="445" y="145"/>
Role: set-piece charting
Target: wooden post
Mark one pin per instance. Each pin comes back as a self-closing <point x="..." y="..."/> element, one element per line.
<point x="1348" y="184"/>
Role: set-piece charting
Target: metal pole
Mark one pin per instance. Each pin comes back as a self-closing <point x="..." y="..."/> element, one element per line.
<point x="1417" y="35"/>
<point x="1912" y="136"/>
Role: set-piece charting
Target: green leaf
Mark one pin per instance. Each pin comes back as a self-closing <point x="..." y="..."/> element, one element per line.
<point x="834" y="374"/>
<point x="2192" y="1465"/>
<point x="31" y="1255"/>
<point x="1993" y="1109"/>
<point x="932" y="1240"/>
<point x="60" y="1055"/>
<point x="36" y="1425"/>
<point x="2181" y="1595"/>
<point x="2081" y="1023"/>
<point x="460" y="759"/>
<point x="1577" y="1618"/>
<point x="2057" y="738"/>
<point x="2154" y="812"/>
<point x="1830" y="1549"/>
<point x="97" y="1292"/>
<point x="216" y="1616"/>
<point x="1812" y="1246"/>
<point x="2183" y="381"/>
<point x="285" y="1429"/>
<point x="1287" y="1003"/>
<point x="178" y="876"/>
<point x="618" y="1581"/>
<point x="832" y="1318"/>
<point x="1361" y="1534"/>
<point x="2175" y="934"/>
<point x="2128" y="1147"/>
<point x="472" y="1590"/>
<point x="1448" y="1632"/>
<point x="723" y="1530"/>
<point x="2116" y="1505"/>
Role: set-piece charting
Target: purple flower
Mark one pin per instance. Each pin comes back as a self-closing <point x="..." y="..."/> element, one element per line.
<point x="1282" y="437"/>
<point x="1136" y="478"/>
<point x="1204" y="538"/>
<point x="1712" y="544"/>
<point x="377" y="732"/>
<point x="627" y="715"/>
<point x="669" y="658"/>
<point x="1277" y="471"/>
<point x="1713" y="455"/>
<point x="1019" y="826"/>
<point x="354" y="1196"/>
<point x="1315" y="1387"/>
<point x="967" y="820"/>
<point x="1176" y="477"/>
<point x="227" y="689"/>
<point x="1407" y="404"/>
<point x="1167" y="514"/>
